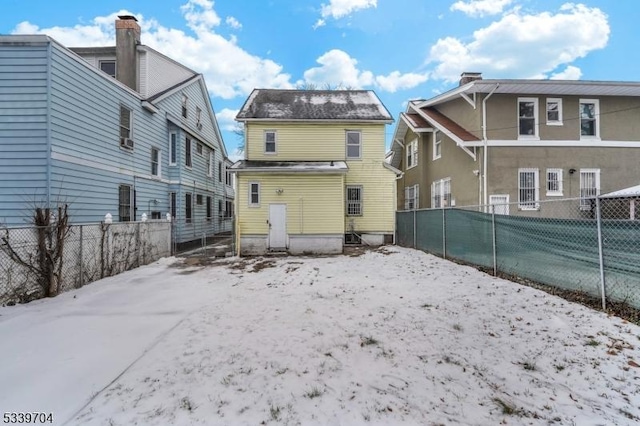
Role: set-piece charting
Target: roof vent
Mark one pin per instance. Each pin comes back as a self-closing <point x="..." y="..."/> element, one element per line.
<point x="468" y="77"/>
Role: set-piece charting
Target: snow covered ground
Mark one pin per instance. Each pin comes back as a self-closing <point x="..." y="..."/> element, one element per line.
<point x="393" y="336"/>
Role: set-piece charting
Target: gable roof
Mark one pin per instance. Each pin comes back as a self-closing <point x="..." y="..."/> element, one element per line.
<point x="539" y="87"/>
<point x="448" y="126"/>
<point x="335" y="105"/>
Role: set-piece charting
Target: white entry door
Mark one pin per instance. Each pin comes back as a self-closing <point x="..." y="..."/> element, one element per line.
<point x="277" y="226"/>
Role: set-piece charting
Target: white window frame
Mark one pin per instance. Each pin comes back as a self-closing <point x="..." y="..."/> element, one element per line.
<point x="441" y="193"/>
<point x="501" y="203"/>
<point x="529" y="204"/>
<point x="536" y="121"/>
<point x="437" y="145"/>
<point x="188" y="152"/>
<point x="158" y="162"/>
<point x="554" y="192"/>
<point x="251" y="203"/>
<point x="185" y="106"/>
<point x="412" y="154"/>
<point x="558" y="101"/>
<point x="356" y="204"/>
<point x="108" y="61"/>
<point x="125" y="132"/>
<point x="173" y="148"/>
<point x="412" y="202"/>
<point x="596" y="119"/>
<point x="359" y="144"/>
<point x="211" y="163"/>
<point x="274" y="142"/>
<point x="585" y="203"/>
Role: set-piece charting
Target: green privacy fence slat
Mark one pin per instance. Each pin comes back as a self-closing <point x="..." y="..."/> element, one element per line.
<point x="404" y="228"/>
<point x="469" y="237"/>
<point x="562" y="253"/>
<point x="429" y="231"/>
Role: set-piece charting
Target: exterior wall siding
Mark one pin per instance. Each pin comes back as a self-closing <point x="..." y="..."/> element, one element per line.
<point x="315" y="203"/>
<point x="23" y="131"/>
<point x="618" y="118"/>
<point x="163" y="73"/>
<point x="312" y="142"/>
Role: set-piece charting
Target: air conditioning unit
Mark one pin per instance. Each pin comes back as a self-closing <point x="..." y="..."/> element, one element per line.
<point x="126" y="143"/>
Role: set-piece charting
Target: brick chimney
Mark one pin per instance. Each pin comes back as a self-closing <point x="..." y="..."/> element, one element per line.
<point x="127" y="38"/>
<point x="468" y="77"/>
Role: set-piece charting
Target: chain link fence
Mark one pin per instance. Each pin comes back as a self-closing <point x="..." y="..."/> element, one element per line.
<point x="590" y="247"/>
<point x="211" y="236"/>
<point x="40" y="261"/>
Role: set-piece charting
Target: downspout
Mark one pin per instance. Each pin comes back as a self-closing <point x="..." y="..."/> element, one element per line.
<point x="485" y="145"/>
<point x="48" y="131"/>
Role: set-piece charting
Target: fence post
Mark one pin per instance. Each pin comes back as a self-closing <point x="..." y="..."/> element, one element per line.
<point x="81" y="257"/>
<point x="415" y="230"/>
<point x="493" y="231"/>
<point x="600" y="253"/>
<point x="444" y="234"/>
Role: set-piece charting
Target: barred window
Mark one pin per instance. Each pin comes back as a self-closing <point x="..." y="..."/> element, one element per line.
<point x="187" y="152"/>
<point x="354" y="200"/>
<point x="554" y="182"/>
<point x="528" y="189"/>
<point x="188" y="207"/>
<point x="589" y="187"/>
<point x="124" y="203"/>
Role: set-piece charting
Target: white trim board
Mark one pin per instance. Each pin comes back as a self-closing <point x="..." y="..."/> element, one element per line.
<point x="589" y="143"/>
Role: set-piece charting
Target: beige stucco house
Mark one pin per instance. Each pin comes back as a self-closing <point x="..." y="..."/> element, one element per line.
<point x="518" y="141"/>
<point x="314" y="175"/>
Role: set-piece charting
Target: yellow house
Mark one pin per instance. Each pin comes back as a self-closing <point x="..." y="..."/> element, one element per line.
<point x="314" y="176"/>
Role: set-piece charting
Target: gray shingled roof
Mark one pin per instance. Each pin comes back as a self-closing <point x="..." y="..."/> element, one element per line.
<point x="348" y="105"/>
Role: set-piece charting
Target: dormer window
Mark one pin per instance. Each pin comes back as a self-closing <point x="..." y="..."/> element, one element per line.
<point x="109" y="67"/>
<point x="185" y="102"/>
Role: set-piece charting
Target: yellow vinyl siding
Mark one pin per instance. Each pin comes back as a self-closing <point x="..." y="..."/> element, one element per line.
<point x="378" y="196"/>
<point x="313" y="142"/>
<point x="314" y="203"/>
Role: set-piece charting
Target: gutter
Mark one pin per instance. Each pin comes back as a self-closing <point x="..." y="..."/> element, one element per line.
<point x="48" y="131"/>
<point x="485" y="146"/>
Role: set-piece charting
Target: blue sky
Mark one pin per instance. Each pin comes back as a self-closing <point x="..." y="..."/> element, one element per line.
<point x="402" y="49"/>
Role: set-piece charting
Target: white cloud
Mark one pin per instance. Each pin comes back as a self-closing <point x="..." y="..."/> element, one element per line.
<point x="233" y="23"/>
<point x="525" y="46"/>
<point x="338" y="9"/>
<point x="237" y="75"/>
<point x="226" y="119"/>
<point x="569" y="73"/>
<point x="480" y="8"/>
<point x="338" y="69"/>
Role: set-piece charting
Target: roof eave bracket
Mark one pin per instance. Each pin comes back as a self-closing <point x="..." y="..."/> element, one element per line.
<point x="467" y="98"/>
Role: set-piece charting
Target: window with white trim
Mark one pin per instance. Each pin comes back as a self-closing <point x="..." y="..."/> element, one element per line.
<point x="554" y="112"/>
<point x="254" y="194"/>
<point x="354" y="200"/>
<point x="269" y="141"/>
<point x="126" y="118"/>
<point x="354" y="147"/>
<point x="589" y="119"/>
<point x="437" y="145"/>
<point x="411" y="197"/>
<point x="528" y="189"/>
<point x="155" y="162"/>
<point x="589" y="187"/>
<point x="173" y="148"/>
<point x="412" y="154"/>
<point x="441" y="193"/>
<point x="499" y="204"/>
<point x="187" y="152"/>
<point x="108" y="66"/>
<point x="528" y="118"/>
<point x="554" y="182"/>
<point x="198" y="118"/>
<point x="210" y="163"/>
<point x="185" y="103"/>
